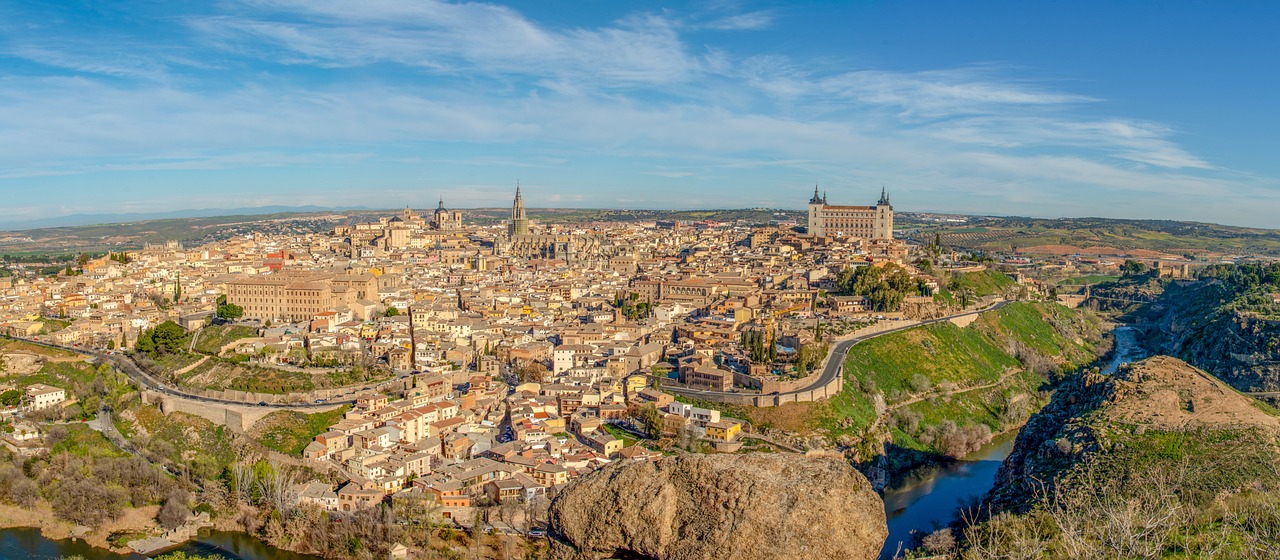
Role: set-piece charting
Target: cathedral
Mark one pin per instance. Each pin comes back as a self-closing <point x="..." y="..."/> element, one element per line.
<point x="521" y="242"/>
<point x="446" y="219"/>
<point x="865" y="222"/>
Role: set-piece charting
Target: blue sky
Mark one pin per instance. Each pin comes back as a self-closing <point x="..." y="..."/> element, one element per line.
<point x="1121" y="109"/>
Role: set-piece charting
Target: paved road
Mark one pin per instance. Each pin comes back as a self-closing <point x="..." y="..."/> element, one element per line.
<point x="835" y="359"/>
<point x="144" y="379"/>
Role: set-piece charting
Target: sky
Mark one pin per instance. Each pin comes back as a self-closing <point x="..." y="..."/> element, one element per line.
<point x="1130" y="109"/>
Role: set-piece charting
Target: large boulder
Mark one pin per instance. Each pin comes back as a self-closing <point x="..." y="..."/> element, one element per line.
<point x="728" y="507"/>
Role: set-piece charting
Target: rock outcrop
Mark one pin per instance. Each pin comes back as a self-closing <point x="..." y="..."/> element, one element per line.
<point x="1091" y="418"/>
<point x="730" y="507"/>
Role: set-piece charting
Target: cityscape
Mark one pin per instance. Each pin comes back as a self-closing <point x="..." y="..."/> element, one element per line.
<point x="294" y="280"/>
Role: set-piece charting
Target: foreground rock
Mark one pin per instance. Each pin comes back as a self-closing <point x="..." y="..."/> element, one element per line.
<point x="731" y="507"/>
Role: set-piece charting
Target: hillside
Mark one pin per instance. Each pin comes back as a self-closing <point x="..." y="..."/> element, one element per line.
<point x="942" y="390"/>
<point x="1161" y="460"/>
<point x="1227" y="323"/>
<point x="1099" y="236"/>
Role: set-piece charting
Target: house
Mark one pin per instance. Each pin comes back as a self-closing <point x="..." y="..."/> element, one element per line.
<point x="724" y="431"/>
<point x="604" y="443"/>
<point x="23" y="431"/>
<point x="352" y="498"/>
<point x="550" y="474"/>
<point x="318" y="494"/>
<point x="40" y="397"/>
<point x="638" y="453"/>
<point x="698" y="416"/>
<point x="505" y="490"/>
<point x="399" y="550"/>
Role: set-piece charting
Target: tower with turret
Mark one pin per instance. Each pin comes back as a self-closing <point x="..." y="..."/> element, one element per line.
<point x="815" y="212"/>
<point x="884" y="217"/>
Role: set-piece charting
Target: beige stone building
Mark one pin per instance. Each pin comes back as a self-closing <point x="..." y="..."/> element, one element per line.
<point x="40" y="397"/>
<point x="293" y="296"/>
<point x="866" y="222"/>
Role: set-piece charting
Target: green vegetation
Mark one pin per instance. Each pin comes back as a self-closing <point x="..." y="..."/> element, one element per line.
<point x="212" y="338"/>
<point x="89" y="386"/>
<point x="289" y="432"/>
<point x="1003" y="234"/>
<point x="82" y="441"/>
<point x="1088" y="279"/>
<point x="884" y="287"/>
<point x="943" y="389"/>
<point x="187" y="442"/>
<point x="627" y="439"/>
<point x="53" y="325"/>
<point x="165" y="338"/>
<point x="1198" y="493"/>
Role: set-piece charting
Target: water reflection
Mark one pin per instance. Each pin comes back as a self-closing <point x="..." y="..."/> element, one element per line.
<point x="925" y="499"/>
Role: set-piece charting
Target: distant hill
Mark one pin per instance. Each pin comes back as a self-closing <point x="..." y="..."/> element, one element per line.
<point x="96" y="219"/>
<point x="1090" y="236"/>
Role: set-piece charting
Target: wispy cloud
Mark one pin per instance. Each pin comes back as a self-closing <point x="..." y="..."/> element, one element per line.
<point x="376" y="83"/>
<point x="448" y="37"/>
<point x="750" y="21"/>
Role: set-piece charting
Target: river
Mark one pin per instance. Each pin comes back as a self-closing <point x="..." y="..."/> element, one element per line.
<point x="926" y="498"/>
<point x="28" y="543"/>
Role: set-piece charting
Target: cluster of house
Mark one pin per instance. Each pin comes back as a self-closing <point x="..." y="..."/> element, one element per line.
<point x="482" y="441"/>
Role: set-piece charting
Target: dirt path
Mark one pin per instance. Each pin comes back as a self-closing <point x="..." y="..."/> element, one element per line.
<point x="924" y="396"/>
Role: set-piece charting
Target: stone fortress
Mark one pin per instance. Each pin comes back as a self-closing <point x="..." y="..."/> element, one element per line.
<point x="866" y="222"/>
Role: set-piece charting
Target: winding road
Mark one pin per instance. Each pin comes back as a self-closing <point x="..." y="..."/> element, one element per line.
<point x="836" y="357"/>
<point x="147" y="381"/>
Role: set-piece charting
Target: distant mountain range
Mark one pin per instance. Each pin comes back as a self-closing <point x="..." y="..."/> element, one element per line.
<point x="74" y="220"/>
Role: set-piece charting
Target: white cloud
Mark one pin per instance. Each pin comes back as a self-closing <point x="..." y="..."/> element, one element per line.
<point x="448" y="37"/>
<point x="751" y="21"/>
<point x="484" y="78"/>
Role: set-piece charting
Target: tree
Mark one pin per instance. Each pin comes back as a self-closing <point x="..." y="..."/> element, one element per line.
<point x="883" y="287"/>
<point x="651" y="421"/>
<point x="392" y="312"/>
<point x="230" y="311"/>
<point x="11" y="397"/>
<point x="1132" y="268"/>
<point x="166" y="338"/>
<point x="277" y="487"/>
<point x="175" y="512"/>
<point x="532" y="372"/>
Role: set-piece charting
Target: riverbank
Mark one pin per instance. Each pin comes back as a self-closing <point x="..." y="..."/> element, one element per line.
<point x="140" y="520"/>
<point x="925" y="498"/>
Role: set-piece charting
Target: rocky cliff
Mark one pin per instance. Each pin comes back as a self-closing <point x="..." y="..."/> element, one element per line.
<point x="732" y="507"/>
<point x="1149" y="416"/>
<point x="1220" y="327"/>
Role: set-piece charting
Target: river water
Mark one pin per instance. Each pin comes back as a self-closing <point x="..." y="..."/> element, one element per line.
<point x="926" y="498"/>
<point x="28" y="543"/>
